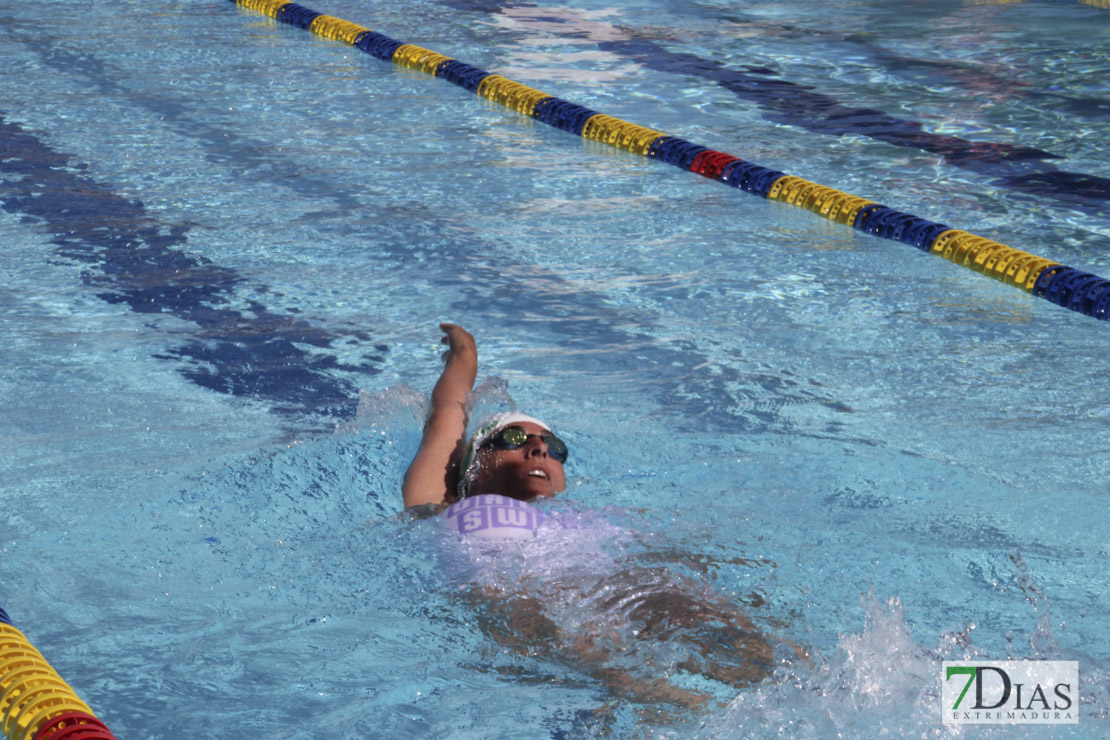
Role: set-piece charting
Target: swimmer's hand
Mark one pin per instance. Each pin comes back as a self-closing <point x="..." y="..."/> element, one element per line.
<point x="460" y="344"/>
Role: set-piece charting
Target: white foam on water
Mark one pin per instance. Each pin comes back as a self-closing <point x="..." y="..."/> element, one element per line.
<point x="881" y="682"/>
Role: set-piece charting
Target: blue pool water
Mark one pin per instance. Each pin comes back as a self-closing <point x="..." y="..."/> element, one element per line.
<point x="227" y="244"/>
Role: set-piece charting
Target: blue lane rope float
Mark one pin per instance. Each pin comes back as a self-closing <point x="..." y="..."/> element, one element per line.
<point x="1065" y="286"/>
<point x="35" y="703"/>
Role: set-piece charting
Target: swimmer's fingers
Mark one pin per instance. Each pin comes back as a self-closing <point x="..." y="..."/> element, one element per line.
<point x="454" y="331"/>
<point x="459" y="341"/>
<point x="445" y="339"/>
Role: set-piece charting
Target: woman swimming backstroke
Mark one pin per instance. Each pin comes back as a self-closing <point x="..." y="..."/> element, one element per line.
<point x="511" y="455"/>
<point x="606" y="619"/>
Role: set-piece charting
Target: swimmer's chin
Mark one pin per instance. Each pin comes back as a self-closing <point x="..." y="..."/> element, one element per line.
<point x="532" y="488"/>
<point x="529" y="497"/>
<point x="525" y="493"/>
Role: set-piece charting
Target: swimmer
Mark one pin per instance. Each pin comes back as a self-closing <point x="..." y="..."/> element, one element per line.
<point x="517" y="456"/>
<point x="514" y="455"/>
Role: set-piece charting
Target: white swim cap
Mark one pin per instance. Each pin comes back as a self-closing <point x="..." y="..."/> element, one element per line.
<point x="488" y="427"/>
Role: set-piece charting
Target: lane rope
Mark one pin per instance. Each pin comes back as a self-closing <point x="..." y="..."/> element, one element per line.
<point x="35" y="703"/>
<point x="1065" y="286"/>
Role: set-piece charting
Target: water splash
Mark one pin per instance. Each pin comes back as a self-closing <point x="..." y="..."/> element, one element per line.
<point x="490" y="397"/>
<point x="1041" y="641"/>
<point x="399" y="404"/>
<point x="882" y="683"/>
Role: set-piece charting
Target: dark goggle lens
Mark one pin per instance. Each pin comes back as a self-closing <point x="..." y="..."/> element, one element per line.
<point x="512" y="438"/>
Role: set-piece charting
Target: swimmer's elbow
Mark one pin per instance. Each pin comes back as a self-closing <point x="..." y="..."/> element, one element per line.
<point x="422" y="487"/>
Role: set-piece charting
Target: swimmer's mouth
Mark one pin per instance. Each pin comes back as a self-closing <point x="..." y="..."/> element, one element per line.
<point x="537" y="474"/>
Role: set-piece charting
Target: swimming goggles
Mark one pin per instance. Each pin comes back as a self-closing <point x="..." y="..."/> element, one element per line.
<point x="513" y="438"/>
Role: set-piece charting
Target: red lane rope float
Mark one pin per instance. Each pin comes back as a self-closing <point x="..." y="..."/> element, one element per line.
<point x="711" y="164"/>
<point x="83" y="733"/>
<point x="35" y="703"/>
<point x="71" y="726"/>
<point x="68" y="720"/>
<point x="1076" y="290"/>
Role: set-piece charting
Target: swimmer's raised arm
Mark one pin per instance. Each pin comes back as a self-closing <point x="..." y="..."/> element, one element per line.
<point x="430" y="478"/>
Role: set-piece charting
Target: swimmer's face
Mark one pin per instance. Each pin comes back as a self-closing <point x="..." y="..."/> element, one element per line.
<point x="525" y="473"/>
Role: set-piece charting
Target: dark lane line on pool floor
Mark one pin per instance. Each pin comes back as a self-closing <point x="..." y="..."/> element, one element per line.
<point x="726" y="397"/>
<point x="222" y="145"/>
<point x="994" y="80"/>
<point x="136" y="261"/>
<point x="1018" y="168"/>
<point x="140" y="263"/>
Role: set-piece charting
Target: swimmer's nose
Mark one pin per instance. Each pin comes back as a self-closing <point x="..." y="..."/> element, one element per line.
<point x="535" y="447"/>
